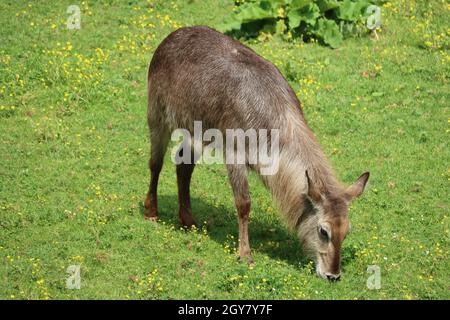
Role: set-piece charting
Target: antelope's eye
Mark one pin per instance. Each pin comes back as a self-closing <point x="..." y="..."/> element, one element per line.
<point x="324" y="233"/>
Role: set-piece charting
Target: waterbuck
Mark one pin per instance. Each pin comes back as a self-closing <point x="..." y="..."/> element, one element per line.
<point x="199" y="74"/>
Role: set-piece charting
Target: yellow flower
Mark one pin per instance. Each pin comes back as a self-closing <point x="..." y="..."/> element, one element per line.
<point x="280" y="13"/>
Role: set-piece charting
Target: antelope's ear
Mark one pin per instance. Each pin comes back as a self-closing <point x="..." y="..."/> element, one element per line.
<point x="313" y="192"/>
<point x="356" y="189"/>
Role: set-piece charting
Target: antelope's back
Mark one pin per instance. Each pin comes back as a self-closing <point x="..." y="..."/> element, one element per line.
<point x="197" y="73"/>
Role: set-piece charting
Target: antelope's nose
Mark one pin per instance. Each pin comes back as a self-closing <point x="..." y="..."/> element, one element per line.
<point x="333" y="277"/>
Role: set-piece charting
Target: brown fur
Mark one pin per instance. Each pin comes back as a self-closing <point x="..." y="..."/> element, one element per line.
<point x="199" y="74"/>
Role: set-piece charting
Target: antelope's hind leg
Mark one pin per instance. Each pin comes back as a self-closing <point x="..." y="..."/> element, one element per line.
<point x="159" y="139"/>
<point x="239" y="184"/>
<point x="184" y="174"/>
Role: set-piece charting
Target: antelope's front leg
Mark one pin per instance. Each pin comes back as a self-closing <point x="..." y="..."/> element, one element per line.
<point x="243" y="209"/>
<point x="239" y="184"/>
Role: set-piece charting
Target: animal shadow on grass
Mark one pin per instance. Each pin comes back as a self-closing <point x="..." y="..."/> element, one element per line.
<point x="271" y="239"/>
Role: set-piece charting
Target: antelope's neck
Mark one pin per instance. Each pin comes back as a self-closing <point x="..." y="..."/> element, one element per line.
<point x="299" y="152"/>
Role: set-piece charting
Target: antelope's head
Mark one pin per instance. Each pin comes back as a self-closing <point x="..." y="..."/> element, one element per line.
<point x="325" y="225"/>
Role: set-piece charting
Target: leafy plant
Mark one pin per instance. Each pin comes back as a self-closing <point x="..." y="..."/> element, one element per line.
<point x="326" y="20"/>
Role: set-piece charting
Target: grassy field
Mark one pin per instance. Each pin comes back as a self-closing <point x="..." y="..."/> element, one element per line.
<point x="74" y="152"/>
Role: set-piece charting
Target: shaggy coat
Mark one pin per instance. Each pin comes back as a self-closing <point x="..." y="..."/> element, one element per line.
<point x="199" y="74"/>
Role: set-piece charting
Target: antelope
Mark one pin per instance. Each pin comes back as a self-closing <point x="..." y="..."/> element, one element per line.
<point x="199" y="74"/>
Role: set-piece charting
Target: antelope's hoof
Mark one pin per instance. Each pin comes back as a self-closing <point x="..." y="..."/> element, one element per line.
<point x="187" y="221"/>
<point x="250" y="261"/>
<point x="151" y="218"/>
<point x="189" y="225"/>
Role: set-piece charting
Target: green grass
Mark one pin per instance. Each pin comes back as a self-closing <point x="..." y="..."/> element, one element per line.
<point x="74" y="152"/>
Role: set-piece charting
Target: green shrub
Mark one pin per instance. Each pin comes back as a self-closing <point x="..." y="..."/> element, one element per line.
<point x="329" y="21"/>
